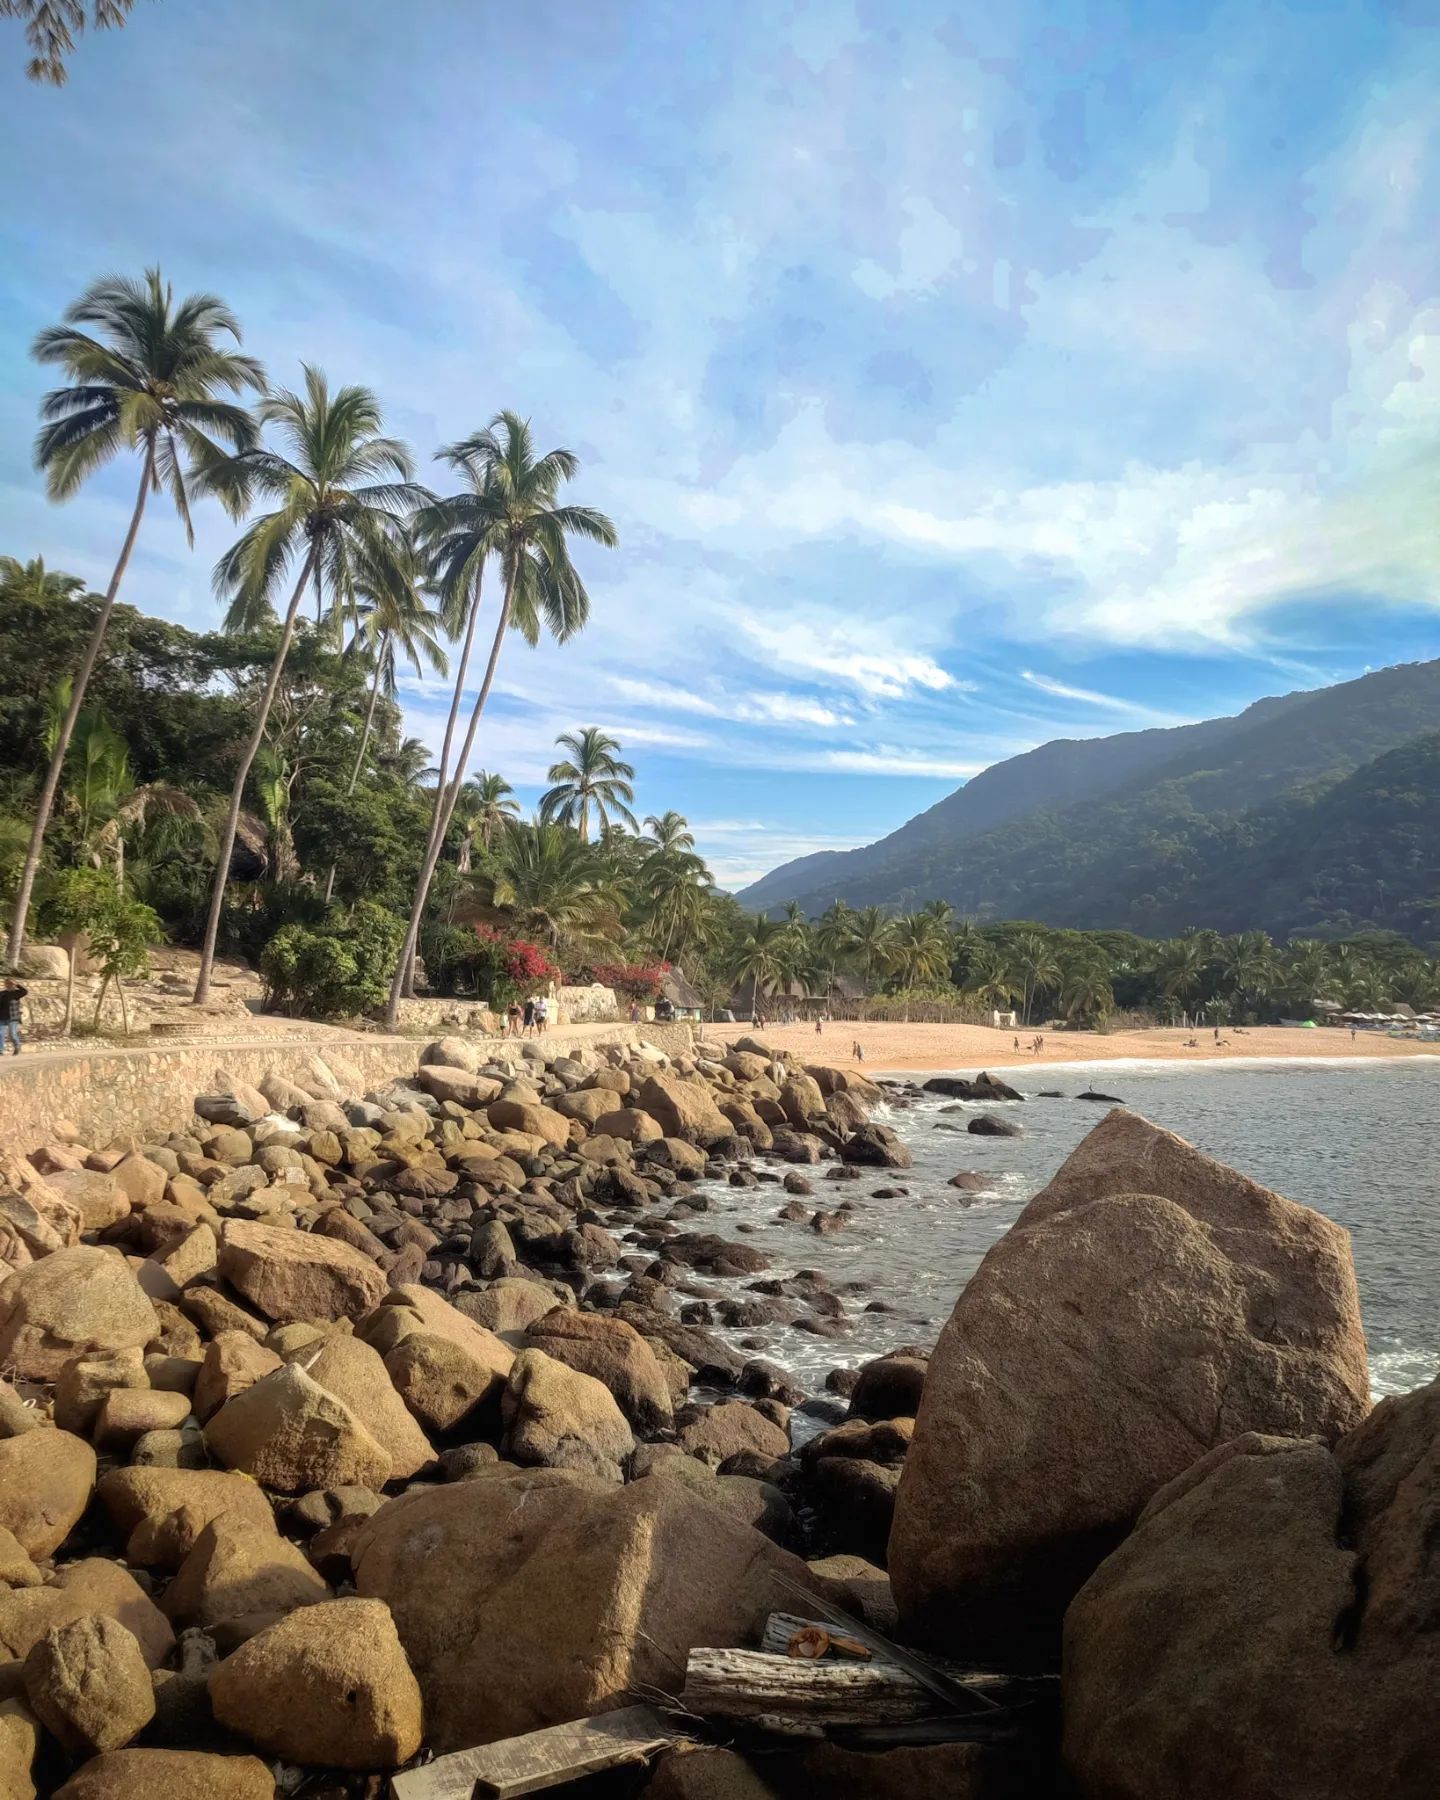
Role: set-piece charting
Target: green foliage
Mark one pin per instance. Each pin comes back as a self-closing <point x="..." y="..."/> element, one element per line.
<point x="120" y="936"/>
<point x="337" y="969"/>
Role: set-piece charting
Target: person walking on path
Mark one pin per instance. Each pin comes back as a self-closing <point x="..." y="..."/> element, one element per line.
<point x="11" y="996"/>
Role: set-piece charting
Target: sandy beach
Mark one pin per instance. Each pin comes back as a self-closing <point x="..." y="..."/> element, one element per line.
<point x="889" y="1045"/>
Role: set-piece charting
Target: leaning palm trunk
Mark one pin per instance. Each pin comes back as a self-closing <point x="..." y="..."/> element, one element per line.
<point x="446" y="799"/>
<point x="46" y="803"/>
<point x="364" y="746"/>
<point x="242" y="775"/>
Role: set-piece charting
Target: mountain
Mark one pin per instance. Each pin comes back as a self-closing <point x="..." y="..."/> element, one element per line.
<point x="1157" y="830"/>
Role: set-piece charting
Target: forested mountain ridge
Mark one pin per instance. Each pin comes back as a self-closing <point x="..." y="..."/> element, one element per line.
<point x="1191" y="833"/>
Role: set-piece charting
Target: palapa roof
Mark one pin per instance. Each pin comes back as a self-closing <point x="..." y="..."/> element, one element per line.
<point x="677" y="989"/>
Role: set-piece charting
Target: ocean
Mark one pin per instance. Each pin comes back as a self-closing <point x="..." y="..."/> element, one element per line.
<point x="1357" y="1141"/>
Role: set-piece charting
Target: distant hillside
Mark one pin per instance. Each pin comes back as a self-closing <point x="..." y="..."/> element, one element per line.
<point x="1231" y="823"/>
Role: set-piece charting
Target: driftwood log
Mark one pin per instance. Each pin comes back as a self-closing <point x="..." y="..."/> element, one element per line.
<point x="540" y="1759"/>
<point x="750" y="1684"/>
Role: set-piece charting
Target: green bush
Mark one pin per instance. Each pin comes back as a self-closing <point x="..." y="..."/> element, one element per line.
<point x="337" y="968"/>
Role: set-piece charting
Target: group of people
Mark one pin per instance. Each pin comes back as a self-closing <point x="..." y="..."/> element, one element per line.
<point x="528" y="1019"/>
<point x="1035" y="1046"/>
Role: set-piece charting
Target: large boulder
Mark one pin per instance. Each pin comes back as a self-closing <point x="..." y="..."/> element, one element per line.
<point x="175" y="1774"/>
<point x="1270" y="1627"/>
<point x="356" y="1375"/>
<point x="236" y="1570"/>
<point x="71" y="1303"/>
<point x="733" y="1428"/>
<point x="1145" y="1307"/>
<point x="160" y="1512"/>
<point x="526" y="1599"/>
<point x="683" y="1109"/>
<point x="443" y="1365"/>
<point x="875" y="1147"/>
<point x="46" y="1479"/>
<point x="88" y="1683"/>
<point x="96" y="1194"/>
<point x="558" y="1418"/>
<point x="293" y="1435"/>
<point x="460" y="1085"/>
<point x="510" y="1303"/>
<point x="615" y="1354"/>
<point x="79" y="1590"/>
<point x="19" y="1740"/>
<point x="329" y="1686"/>
<point x="288" y="1274"/>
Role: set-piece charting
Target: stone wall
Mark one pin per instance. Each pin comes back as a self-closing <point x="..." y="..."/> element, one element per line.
<point x="579" y="1005"/>
<point x="151" y="1092"/>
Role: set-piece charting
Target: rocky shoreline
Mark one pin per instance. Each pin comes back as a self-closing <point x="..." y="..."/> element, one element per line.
<point x="345" y="1429"/>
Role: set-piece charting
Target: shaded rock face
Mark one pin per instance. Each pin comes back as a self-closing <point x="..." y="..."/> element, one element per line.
<point x="1271" y="1630"/>
<point x="1147" y="1306"/>
<point x="175" y="1774"/>
<point x="876" y="1147"/>
<point x="593" y="1591"/>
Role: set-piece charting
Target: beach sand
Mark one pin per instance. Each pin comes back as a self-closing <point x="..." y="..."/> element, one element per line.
<point x="970" y="1048"/>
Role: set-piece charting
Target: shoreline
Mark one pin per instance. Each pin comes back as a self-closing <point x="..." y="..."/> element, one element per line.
<point x="897" y="1049"/>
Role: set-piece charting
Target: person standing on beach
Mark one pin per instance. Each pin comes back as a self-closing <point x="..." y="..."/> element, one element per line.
<point x="527" y="1021"/>
<point x="11" y="996"/>
<point x="542" y="1015"/>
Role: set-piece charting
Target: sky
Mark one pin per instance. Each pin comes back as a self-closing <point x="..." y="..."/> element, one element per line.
<point x="957" y="377"/>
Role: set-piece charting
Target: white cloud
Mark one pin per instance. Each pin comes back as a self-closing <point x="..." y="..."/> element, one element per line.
<point x="1062" y="690"/>
<point x="897" y="762"/>
<point x="850" y="650"/>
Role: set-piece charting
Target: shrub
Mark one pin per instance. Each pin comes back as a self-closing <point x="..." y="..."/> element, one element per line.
<point x="634" y="981"/>
<point x="505" y="966"/>
<point x="339" y="967"/>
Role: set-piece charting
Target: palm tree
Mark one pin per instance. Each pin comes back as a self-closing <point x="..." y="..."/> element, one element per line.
<point x="592" y="775"/>
<point x="333" y="511"/>
<point x="146" y="380"/>
<point x="52" y="26"/>
<point x="101" y="794"/>
<point x="485" y="805"/>
<point x="1085" y="992"/>
<point x="1180" y="967"/>
<point x="919" y="949"/>
<point x="989" y="978"/>
<point x="869" y="941"/>
<point x="764" y="955"/>
<point x="1247" y="964"/>
<point x="29" y="584"/>
<point x="1035" y="966"/>
<point x="507" y="510"/>
<point x="556" y="886"/>
<point x="669" y="832"/>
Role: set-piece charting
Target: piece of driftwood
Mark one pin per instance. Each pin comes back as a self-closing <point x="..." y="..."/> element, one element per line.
<point x="750" y="1684"/>
<point x="540" y="1759"/>
<point x="781" y="1630"/>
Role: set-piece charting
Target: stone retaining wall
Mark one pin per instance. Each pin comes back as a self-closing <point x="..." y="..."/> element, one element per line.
<point x="150" y="1092"/>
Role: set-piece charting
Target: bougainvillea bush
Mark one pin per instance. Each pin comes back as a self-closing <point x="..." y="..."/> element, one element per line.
<point x="634" y="981"/>
<point x="506" y="967"/>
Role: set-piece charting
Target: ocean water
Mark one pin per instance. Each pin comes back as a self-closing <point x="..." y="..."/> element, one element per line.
<point x="1359" y="1142"/>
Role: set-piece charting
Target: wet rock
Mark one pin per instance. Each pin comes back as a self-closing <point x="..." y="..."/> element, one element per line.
<point x="991" y="1125"/>
<point x="875" y="1147"/>
<point x="888" y="1388"/>
<point x="983" y="1088"/>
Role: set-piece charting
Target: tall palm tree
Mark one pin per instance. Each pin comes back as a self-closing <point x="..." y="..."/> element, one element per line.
<point x="30" y="583"/>
<point x="52" y="26"/>
<point x="919" y="950"/>
<point x="592" y="775"/>
<point x="485" y="806"/>
<point x="764" y="955"/>
<point x="1247" y="965"/>
<point x="669" y="832"/>
<point x="333" y="509"/>
<point x="556" y="886"/>
<point x="869" y="941"/>
<point x="1036" y="968"/>
<point x="144" y="376"/>
<point x="1180" y="968"/>
<point x="509" y="510"/>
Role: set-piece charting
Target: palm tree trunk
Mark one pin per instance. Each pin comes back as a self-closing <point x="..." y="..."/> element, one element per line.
<point x="69" y="1024"/>
<point x="242" y="775"/>
<point x="445" y="802"/>
<point x="364" y="745"/>
<point x="46" y="803"/>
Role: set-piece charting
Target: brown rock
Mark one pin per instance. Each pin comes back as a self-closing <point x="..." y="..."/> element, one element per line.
<point x="88" y="1684"/>
<point x="442" y="1384"/>
<point x="237" y="1568"/>
<point x="683" y="1109"/>
<point x="289" y="1274"/>
<point x="71" y="1303"/>
<point x="161" y="1512"/>
<point x="1147" y="1306"/>
<point x="96" y="1195"/>
<point x="716" y="1433"/>
<point x="233" y="1362"/>
<point x="292" y="1435"/>
<point x="458" y="1085"/>
<point x="509" y="1304"/>
<point x="195" y="1255"/>
<point x="171" y="1774"/>
<point x="94" y="1585"/>
<point x="328" y="1686"/>
<point x="1268" y="1628"/>
<point x="699" y="1773"/>
<point x="84" y="1383"/>
<point x="141" y="1181"/>
<point x="128" y="1413"/>
<point x="889" y="1388"/>
<point x="594" y="1591"/>
<point x="19" y="1740"/>
<point x="535" y="1121"/>
<point x="46" y="1479"/>
<point x="628" y="1125"/>
<point x="215" y="1312"/>
<point x="615" y="1354"/>
<point x="16" y="1568"/>
<point x="558" y="1418"/>
<point x="801" y="1100"/>
<point x="356" y="1376"/>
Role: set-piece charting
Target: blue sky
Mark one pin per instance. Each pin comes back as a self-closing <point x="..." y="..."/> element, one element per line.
<point x="955" y="381"/>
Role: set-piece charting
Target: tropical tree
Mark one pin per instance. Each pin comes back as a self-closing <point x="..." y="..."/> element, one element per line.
<point x="508" y="509"/>
<point x="52" y="26"/>
<point x="669" y="833"/>
<point x="333" y="510"/>
<point x="1086" y="995"/>
<point x="764" y="954"/>
<point x="28" y="583"/>
<point x="1035" y="967"/>
<point x="1247" y="966"/>
<point x="1180" y="968"/>
<point x="989" y="976"/>
<point x="145" y="375"/>
<point x="870" y="935"/>
<point x="592" y="775"/>
<point x="919" y="950"/>
<point x="485" y="806"/>
<point x="556" y="886"/>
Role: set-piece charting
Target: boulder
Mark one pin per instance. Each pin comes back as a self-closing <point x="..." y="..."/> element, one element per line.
<point x="71" y="1303"/>
<point x="19" y="1740"/>
<point x="1145" y="1307"/>
<point x="557" y="1418"/>
<point x="233" y="1361"/>
<point x="683" y="1109"/>
<point x="92" y="1586"/>
<point x="889" y="1388"/>
<point x="141" y="1181"/>
<point x="96" y="1195"/>
<point x="801" y="1100"/>
<point x="160" y="1512"/>
<point x="875" y="1147"/>
<point x="459" y="1085"/>
<point x="442" y="1364"/>
<point x="356" y="1376"/>
<point x="88" y="1683"/>
<point x="541" y="1122"/>
<point x="83" y="1384"/>
<point x="696" y="1772"/>
<point x="593" y="1590"/>
<point x="1269" y="1627"/>
<point x="628" y="1125"/>
<point x="175" y="1774"/>
<point x="126" y="1414"/>
<point x="236" y="1570"/>
<point x="46" y="1479"/>
<point x="984" y="1088"/>
<point x="329" y="1686"/>
<point x="291" y="1434"/>
<point x="509" y="1304"/>
<point x="288" y="1274"/>
<point x="615" y="1354"/>
<point x="992" y="1125"/>
<point x="687" y="1160"/>
<point x="450" y="1053"/>
<point x="716" y="1433"/>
